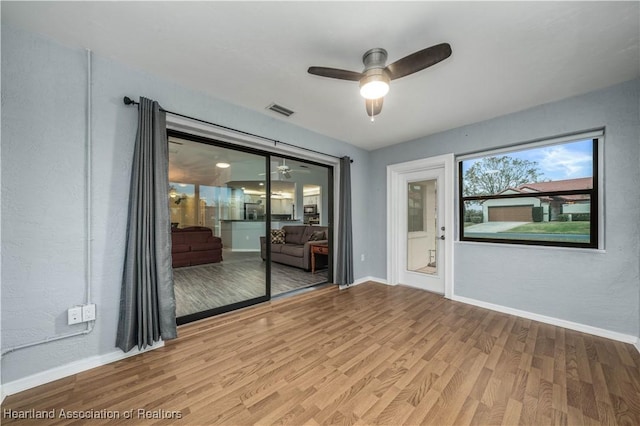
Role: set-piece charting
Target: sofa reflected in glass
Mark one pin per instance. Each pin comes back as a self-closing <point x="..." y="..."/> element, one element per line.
<point x="291" y="245"/>
<point x="194" y="245"/>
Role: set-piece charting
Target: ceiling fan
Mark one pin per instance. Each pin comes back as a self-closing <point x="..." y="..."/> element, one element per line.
<point x="374" y="79"/>
<point x="285" y="170"/>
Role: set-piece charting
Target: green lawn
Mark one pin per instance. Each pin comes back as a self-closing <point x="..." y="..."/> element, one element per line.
<point x="553" y="228"/>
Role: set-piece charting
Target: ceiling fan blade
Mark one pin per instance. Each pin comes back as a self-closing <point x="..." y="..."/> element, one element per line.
<point x="419" y="60"/>
<point x="335" y="73"/>
<point x="374" y="106"/>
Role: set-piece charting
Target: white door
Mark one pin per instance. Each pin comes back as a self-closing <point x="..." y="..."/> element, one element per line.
<point x="420" y="221"/>
<point x="422" y="237"/>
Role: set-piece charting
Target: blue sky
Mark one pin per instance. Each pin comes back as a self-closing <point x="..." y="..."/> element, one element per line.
<point x="556" y="162"/>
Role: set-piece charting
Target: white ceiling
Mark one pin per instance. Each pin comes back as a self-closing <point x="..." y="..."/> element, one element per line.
<point x="195" y="163"/>
<point x="507" y="56"/>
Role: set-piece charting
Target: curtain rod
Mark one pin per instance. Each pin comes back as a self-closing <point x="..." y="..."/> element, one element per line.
<point x="128" y="101"/>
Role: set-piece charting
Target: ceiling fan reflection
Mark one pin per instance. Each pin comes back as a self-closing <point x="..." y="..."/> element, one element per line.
<point x="285" y="171"/>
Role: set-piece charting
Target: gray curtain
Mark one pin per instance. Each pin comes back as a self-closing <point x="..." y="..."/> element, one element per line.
<point x="147" y="300"/>
<point x="344" y="268"/>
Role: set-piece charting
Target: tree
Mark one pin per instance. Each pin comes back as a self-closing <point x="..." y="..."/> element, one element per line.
<point x="492" y="175"/>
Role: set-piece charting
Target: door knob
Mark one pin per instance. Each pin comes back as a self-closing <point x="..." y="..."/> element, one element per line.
<point x="442" y="237"/>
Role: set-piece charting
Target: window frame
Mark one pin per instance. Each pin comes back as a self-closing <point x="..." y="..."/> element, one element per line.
<point x="595" y="209"/>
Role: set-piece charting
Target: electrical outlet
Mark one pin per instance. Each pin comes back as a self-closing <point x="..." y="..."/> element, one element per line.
<point x="74" y="315"/>
<point x="89" y="312"/>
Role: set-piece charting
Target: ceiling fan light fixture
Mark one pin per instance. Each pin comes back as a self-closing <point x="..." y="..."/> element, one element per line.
<point x="375" y="84"/>
<point x="374" y="79"/>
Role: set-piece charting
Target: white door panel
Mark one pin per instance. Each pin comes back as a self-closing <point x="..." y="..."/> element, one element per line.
<point x="420" y="212"/>
<point x="420" y="224"/>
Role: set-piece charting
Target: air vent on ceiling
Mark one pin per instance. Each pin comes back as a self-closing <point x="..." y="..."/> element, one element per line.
<point x="280" y="110"/>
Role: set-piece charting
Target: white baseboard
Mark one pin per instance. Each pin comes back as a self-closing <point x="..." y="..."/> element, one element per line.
<point x="375" y="279"/>
<point x="626" y="338"/>
<point x="70" y="369"/>
<point x="637" y="344"/>
<point x="364" y="280"/>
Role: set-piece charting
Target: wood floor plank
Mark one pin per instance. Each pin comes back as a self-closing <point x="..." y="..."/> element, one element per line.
<point x="372" y="354"/>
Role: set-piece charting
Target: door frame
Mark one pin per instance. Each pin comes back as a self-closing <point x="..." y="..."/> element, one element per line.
<point x="395" y="187"/>
<point x="226" y="138"/>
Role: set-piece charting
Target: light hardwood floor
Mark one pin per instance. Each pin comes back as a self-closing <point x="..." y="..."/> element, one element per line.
<point x="372" y="354"/>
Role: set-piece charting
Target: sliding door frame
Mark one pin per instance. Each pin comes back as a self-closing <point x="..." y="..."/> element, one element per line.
<point x="267" y="154"/>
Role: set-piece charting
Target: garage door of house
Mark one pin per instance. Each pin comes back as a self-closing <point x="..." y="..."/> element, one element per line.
<point x="510" y="214"/>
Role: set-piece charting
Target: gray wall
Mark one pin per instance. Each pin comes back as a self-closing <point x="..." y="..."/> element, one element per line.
<point x="43" y="130"/>
<point x="591" y="288"/>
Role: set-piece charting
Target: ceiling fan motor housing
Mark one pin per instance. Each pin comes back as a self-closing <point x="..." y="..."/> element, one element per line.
<point x="374" y="58"/>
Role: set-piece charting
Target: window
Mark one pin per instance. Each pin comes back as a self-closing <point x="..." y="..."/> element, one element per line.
<point x="416" y="206"/>
<point x="540" y="194"/>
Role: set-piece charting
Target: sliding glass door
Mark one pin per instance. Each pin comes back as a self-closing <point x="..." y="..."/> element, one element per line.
<point x="218" y="205"/>
<point x="245" y="225"/>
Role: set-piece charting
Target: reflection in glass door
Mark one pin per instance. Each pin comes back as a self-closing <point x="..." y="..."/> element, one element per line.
<point x="422" y="227"/>
<point x="218" y="205"/>
<point x="300" y="209"/>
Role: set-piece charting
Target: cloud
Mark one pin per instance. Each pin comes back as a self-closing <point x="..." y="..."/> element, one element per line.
<point x="570" y="163"/>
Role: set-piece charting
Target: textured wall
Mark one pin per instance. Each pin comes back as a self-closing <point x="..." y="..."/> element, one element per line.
<point x="43" y="130"/>
<point x="592" y="288"/>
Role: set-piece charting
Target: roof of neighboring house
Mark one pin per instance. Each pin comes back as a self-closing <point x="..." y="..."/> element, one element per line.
<point x="559" y="185"/>
<point x="556" y="185"/>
